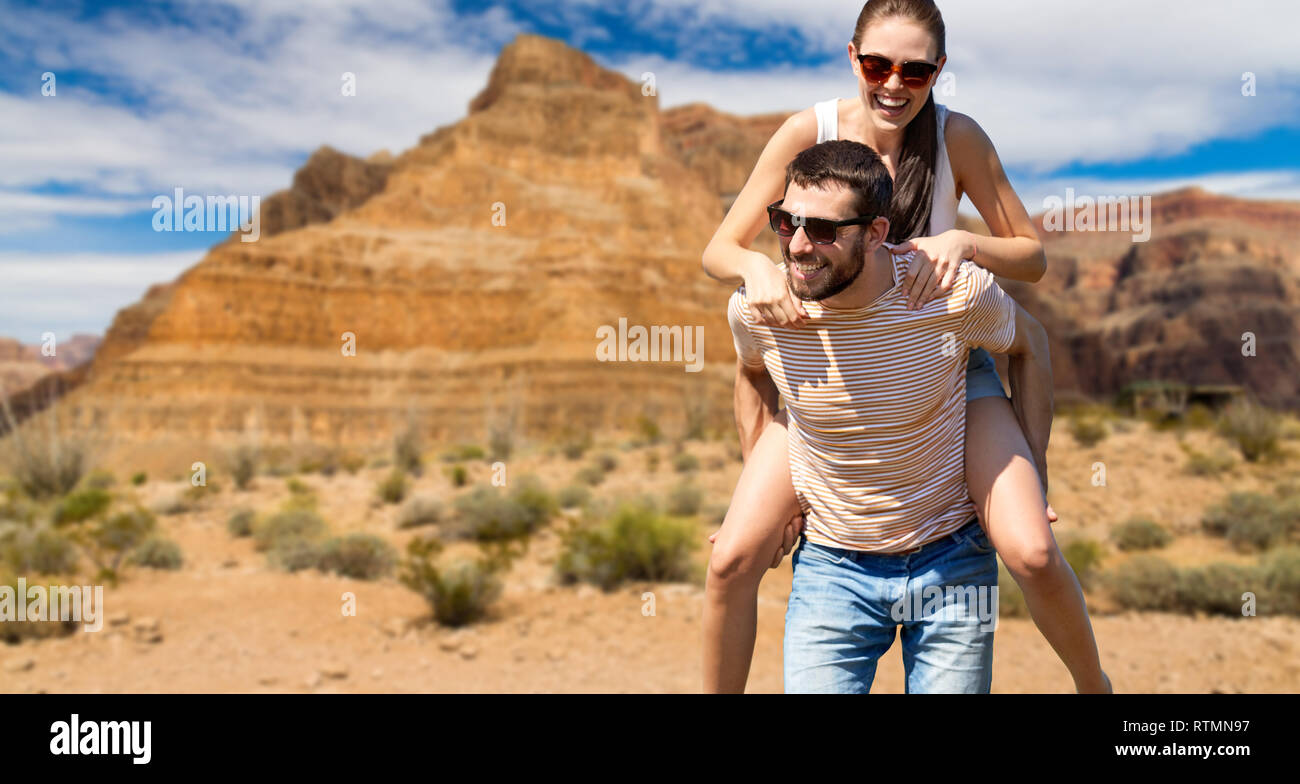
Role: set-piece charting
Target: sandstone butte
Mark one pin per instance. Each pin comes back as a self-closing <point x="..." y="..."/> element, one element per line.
<point x="465" y="325"/>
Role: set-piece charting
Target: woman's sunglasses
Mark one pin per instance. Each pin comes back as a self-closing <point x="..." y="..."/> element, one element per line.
<point x="914" y="73"/>
<point x="819" y="230"/>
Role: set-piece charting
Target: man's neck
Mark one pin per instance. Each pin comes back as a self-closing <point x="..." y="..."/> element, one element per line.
<point x="876" y="278"/>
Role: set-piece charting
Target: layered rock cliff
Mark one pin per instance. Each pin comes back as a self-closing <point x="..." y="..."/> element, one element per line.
<point x="472" y="281"/>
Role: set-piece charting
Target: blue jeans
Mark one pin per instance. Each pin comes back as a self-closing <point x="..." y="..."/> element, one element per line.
<point x="982" y="376"/>
<point x="845" y="605"/>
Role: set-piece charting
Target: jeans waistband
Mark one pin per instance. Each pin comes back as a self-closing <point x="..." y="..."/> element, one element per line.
<point x="954" y="536"/>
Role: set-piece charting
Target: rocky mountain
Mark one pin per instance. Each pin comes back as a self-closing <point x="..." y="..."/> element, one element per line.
<point x="472" y="274"/>
<point x="21" y="365"/>
<point x="1218" y="278"/>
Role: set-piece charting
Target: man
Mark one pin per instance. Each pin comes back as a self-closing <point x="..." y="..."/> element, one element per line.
<point x="875" y="400"/>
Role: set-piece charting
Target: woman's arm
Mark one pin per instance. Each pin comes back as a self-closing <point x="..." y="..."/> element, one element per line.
<point x="1014" y="251"/>
<point x="728" y="258"/>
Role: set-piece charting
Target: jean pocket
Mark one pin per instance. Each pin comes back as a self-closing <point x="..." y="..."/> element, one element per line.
<point x="978" y="541"/>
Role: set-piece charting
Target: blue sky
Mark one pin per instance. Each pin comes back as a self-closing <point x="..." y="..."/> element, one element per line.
<point x="230" y="97"/>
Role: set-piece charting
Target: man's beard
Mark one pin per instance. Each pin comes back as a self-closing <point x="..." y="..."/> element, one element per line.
<point x="835" y="279"/>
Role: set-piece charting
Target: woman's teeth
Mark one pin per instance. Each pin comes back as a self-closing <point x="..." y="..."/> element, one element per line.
<point x="891" y="105"/>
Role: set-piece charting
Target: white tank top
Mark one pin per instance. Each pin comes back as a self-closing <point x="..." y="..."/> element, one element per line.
<point x="943" y="208"/>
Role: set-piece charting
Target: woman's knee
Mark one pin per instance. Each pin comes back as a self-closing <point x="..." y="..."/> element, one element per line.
<point x="734" y="566"/>
<point x="1030" y="557"/>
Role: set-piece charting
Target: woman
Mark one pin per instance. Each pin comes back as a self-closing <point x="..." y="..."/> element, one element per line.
<point x="935" y="156"/>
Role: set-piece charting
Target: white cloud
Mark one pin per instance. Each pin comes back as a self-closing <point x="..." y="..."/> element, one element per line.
<point x="67" y="293"/>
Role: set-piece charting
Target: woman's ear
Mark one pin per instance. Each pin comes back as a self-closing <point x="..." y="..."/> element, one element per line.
<point x="854" y="65"/>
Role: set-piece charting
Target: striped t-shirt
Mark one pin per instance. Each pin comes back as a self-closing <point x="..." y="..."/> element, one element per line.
<point x="877" y="407"/>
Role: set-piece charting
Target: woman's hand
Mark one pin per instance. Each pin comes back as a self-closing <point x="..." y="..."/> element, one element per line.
<point x="768" y="293"/>
<point x="934" y="268"/>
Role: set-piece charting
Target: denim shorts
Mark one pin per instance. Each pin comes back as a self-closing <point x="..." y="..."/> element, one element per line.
<point x="845" y="606"/>
<point x="982" y="376"/>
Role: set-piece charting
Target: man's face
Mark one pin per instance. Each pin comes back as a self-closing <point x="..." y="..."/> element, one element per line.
<point x="817" y="272"/>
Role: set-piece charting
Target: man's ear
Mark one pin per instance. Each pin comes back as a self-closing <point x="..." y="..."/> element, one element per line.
<point x="877" y="232"/>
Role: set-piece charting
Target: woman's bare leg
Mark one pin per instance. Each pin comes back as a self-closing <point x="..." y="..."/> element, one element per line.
<point x="743" y="549"/>
<point x="1008" y="495"/>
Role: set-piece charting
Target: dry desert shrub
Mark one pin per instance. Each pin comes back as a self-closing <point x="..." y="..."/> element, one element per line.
<point x="636" y="543"/>
<point x="460" y="592"/>
<point x="1253" y="428"/>
<point x="1140" y="533"/>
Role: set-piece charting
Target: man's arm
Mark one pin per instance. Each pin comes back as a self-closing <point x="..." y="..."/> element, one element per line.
<point x="755" y="404"/>
<point x="1030" y="374"/>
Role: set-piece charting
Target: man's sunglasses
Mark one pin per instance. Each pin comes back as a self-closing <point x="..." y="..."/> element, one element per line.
<point x="819" y="230"/>
<point x="914" y="73"/>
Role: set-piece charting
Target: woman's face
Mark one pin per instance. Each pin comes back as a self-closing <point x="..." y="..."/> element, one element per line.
<point x="891" y="105"/>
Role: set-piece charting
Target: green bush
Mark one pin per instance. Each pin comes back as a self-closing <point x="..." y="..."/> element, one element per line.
<point x="648" y="430"/>
<point x="1216" y="588"/>
<point x="1252" y="520"/>
<point x="501" y="440"/>
<point x="359" y="556"/>
<point x="607" y="461"/>
<point x="1198" y="417"/>
<point x="1219" y="518"/>
<point x="29" y="550"/>
<point x="286" y="525"/>
<point x="685" y="499"/>
<point x="157" y="553"/>
<point x="686" y="463"/>
<point x="1254" y="429"/>
<point x="1139" y="533"/>
<point x="1084" y="556"/>
<point x="1145" y="582"/>
<point x="1281" y="571"/>
<point x="139" y="478"/>
<point x="464" y="452"/>
<point x="460" y="592"/>
<point x="295" y="553"/>
<point x="485" y="514"/>
<point x="407" y="451"/>
<point x="574" y="448"/>
<point x="394" y="487"/>
<point x="1088" y="431"/>
<point x="174" y="504"/>
<point x="573" y="496"/>
<point x="100" y="479"/>
<point x="82" y="505"/>
<point x="590" y="475"/>
<point x="420" y="510"/>
<point x="243" y="465"/>
<point x="1200" y="464"/>
<point x="297" y="486"/>
<point x="112" y="540"/>
<point x="458" y="475"/>
<point x="240" y="523"/>
<point x="50" y="465"/>
<point x="352" y="463"/>
<point x="636" y="544"/>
